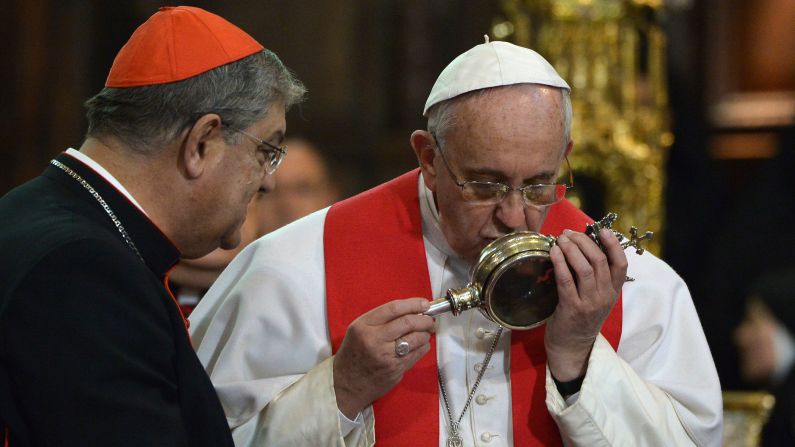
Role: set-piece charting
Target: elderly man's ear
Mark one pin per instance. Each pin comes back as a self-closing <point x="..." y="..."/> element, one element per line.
<point x="424" y="147"/>
<point x="202" y="146"/>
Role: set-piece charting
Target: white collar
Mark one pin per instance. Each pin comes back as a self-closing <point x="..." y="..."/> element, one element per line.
<point x="96" y="167"/>
<point x="433" y="232"/>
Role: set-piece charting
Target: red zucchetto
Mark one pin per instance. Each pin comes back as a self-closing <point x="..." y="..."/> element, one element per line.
<point x="178" y="42"/>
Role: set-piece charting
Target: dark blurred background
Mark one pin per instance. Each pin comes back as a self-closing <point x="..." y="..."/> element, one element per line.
<point x="369" y="66"/>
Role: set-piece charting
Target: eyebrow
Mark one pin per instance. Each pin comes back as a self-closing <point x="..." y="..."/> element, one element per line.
<point x="485" y="173"/>
<point x="279" y="135"/>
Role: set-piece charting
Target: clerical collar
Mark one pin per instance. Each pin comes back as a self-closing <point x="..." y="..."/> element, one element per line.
<point x="91" y="163"/>
<point x="157" y="250"/>
<point x="433" y="232"/>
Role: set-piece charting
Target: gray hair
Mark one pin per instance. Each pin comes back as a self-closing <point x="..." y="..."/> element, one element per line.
<point x="148" y="117"/>
<point x="442" y="117"/>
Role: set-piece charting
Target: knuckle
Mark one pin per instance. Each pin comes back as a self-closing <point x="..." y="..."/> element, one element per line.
<point x="566" y="282"/>
<point x="406" y="324"/>
<point x="393" y="307"/>
<point x="602" y="262"/>
<point x="585" y="272"/>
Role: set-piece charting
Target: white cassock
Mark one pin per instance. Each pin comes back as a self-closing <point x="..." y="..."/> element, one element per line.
<point x="262" y="334"/>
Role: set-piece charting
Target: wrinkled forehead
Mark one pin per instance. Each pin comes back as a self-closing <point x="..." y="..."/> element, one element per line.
<point x="526" y="113"/>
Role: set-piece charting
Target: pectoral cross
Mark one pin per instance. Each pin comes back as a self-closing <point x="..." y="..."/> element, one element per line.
<point x="454" y="440"/>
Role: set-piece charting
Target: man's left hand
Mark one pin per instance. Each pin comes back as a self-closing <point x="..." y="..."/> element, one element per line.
<point x="589" y="281"/>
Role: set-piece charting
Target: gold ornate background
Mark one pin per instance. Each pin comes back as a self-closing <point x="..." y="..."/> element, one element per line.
<point x="612" y="53"/>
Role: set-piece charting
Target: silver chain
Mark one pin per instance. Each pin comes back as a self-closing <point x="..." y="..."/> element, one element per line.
<point x="454" y="438"/>
<point x="102" y="202"/>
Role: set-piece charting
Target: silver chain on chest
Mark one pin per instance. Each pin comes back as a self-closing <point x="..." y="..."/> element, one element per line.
<point x="102" y="202"/>
<point x="454" y="436"/>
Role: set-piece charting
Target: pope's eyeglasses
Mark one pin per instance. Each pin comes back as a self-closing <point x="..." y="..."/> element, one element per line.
<point x="275" y="154"/>
<point x="490" y="193"/>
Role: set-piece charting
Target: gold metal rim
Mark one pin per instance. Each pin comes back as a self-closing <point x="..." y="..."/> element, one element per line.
<point x="506" y="246"/>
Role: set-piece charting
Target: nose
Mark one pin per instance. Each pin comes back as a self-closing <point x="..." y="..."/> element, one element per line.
<point x="511" y="211"/>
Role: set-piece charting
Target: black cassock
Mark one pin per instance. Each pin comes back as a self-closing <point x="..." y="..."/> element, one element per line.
<point x="93" y="349"/>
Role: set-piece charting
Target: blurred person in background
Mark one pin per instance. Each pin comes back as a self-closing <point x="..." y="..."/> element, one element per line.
<point x="766" y="342"/>
<point x="303" y="185"/>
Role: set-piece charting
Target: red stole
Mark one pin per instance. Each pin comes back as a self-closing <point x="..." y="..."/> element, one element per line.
<point x="374" y="253"/>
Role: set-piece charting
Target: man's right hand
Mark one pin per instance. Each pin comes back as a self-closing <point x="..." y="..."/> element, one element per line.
<point x="366" y="366"/>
